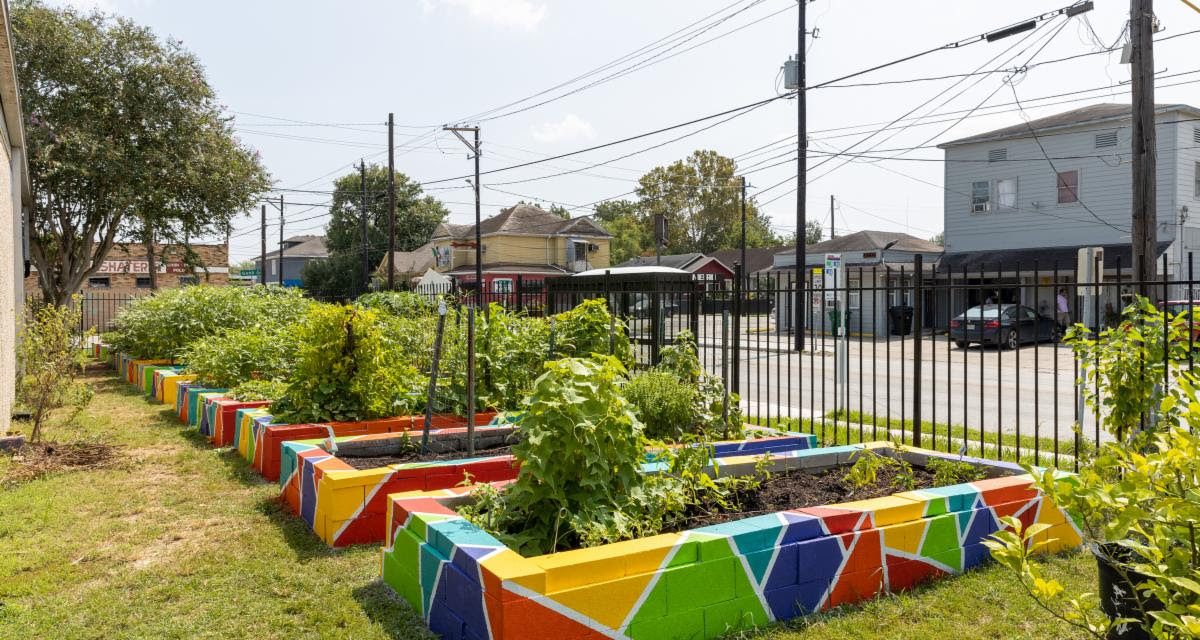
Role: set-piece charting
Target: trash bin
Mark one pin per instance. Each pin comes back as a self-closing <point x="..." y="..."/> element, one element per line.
<point x="835" y="315"/>
<point x="902" y="320"/>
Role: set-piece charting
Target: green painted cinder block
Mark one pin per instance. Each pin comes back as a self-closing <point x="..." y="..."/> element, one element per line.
<point x="941" y="534"/>
<point x="735" y="615"/>
<point x="702" y="584"/>
<point x="689" y="624"/>
<point x="405" y="584"/>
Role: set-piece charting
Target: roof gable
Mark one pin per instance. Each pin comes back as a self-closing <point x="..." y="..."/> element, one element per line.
<point x="1084" y="115"/>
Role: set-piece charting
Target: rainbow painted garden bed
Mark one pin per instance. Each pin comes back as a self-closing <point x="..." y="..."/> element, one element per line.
<point x="710" y="581"/>
<point x="345" y="505"/>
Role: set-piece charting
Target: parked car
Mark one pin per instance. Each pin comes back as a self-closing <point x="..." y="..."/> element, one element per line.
<point x="1004" y="325"/>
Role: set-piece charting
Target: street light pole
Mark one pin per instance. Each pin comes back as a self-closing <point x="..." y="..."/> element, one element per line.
<point x="801" y="176"/>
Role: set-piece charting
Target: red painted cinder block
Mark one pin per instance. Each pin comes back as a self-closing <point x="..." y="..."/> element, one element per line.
<point x="268" y="453"/>
<point x="223" y="429"/>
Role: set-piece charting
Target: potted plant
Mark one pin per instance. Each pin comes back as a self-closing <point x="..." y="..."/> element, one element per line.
<point x="1137" y="502"/>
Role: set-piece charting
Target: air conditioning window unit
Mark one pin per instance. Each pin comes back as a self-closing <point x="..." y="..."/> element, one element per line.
<point x="980" y="207"/>
<point x="593" y="247"/>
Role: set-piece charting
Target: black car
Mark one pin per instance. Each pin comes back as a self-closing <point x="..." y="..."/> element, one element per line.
<point x="1006" y="325"/>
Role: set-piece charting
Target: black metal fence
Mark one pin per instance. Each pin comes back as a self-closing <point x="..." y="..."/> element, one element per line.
<point x="97" y="309"/>
<point x="910" y="363"/>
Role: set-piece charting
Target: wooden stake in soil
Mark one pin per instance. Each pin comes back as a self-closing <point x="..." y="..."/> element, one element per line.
<point x="471" y="380"/>
<point x="433" y="374"/>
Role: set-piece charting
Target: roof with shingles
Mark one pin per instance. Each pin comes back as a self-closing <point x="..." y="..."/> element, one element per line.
<point x="1083" y="115"/>
<point x="525" y="219"/>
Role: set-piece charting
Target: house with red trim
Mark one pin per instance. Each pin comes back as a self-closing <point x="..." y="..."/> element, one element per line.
<point x="523" y="243"/>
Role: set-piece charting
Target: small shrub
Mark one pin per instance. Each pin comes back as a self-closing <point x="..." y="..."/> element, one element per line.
<point x="402" y="304"/>
<point x="50" y="361"/>
<point x="227" y="359"/>
<point x="586" y="329"/>
<point x="665" y="404"/>
<point x="948" y="472"/>
<point x="581" y="451"/>
<point x="347" y="368"/>
<point x="512" y="348"/>
<point x="164" y="324"/>
<point x="258" y="390"/>
<point x="867" y="465"/>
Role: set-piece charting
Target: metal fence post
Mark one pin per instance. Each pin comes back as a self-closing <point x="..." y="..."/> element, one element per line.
<point x="918" y="321"/>
<point x="736" y="355"/>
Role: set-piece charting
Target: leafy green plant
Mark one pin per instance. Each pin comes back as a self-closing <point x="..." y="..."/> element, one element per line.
<point x="587" y="329"/>
<point x="1126" y="363"/>
<point x="512" y="348"/>
<point x="258" y="390"/>
<point x="348" y="368"/>
<point x="580" y="452"/>
<point x="950" y="472"/>
<point x="659" y="394"/>
<point x="1137" y="505"/>
<point x="404" y="304"/>
<point x="164" y="324"/>
<point x="234" y="356"/>
<point x="865" y="470"/>
<point x="50" y="360"/>
<point x="665" y="404"/>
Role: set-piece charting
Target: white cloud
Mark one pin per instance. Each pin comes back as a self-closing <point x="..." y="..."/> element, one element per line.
<point x="523" y="14"/>
<point x="569" y="129"/>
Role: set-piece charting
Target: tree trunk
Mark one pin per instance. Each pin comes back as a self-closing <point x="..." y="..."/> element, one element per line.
<point x="151" y="266"/>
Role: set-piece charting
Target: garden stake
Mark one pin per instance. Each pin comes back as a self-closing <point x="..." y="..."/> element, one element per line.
<point x="471" y="381"/>
<point x="725" y="370"/>
<point x="433" y="372"/>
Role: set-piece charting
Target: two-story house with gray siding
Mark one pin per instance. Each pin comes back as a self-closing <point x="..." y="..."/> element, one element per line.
<point x="1039" y="191"/>
<point x="297" y="251"/>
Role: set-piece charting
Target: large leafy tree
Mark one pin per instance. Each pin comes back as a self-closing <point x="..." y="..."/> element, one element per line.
<point x="631" y="236"/>
<point x="416" y="217"/>
<point x="126" y="141"/>
<point x="701" y="197"/>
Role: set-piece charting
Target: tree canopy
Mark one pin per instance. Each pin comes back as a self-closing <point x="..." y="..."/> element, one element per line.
<point x="416" y="217"/>
<point x="701" y="198"/>
<point x="125" y="139"/>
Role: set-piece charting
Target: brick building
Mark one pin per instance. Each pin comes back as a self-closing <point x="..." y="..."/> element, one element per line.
<point x="125" y="269"/>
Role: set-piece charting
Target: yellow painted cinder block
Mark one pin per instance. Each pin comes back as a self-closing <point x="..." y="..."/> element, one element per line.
<point x="570" y="569"/>
<point x="905" y="536"/>
<point x="647" y="554"/>
<point x="888" y="509"/>
<point x="171" y="388"/>
<point x="609" y="602"/>
<point x="510" y="566"/>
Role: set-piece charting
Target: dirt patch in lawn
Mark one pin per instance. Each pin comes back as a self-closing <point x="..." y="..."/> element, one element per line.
<point x="797" y="490"/>
<point x="415" y="455"/>
<point x="33" y="461"/>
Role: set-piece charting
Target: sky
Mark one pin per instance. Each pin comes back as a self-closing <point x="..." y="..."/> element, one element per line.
<point x="310" y="85"/>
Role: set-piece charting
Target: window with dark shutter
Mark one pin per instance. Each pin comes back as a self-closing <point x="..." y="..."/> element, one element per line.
<point x="997" y="155"/>
<point x="1106" y="139"/>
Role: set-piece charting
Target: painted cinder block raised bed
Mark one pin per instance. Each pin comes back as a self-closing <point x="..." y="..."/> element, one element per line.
<point x="710" y="581"/>
<point x="222" y="417"/>
<point x="269" y="440"/>
<point x="171" y="385"/>
<point x="346" y="506"/>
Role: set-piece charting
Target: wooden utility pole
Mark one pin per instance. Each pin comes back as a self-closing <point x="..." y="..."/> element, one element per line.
<point x="391" y="256"/>
<point x="262" y="261"/>
<point x="362" y="223"/>
<point x="1145" y="219"/>
<point x="743" y="239"/>
<point x="280" y="260"/>
<point x="832" y="220"/>
<point x="801" y="178"/>
<point x="476" y="151"/>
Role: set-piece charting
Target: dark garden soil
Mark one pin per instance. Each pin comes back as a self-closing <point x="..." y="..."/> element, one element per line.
<point x="33" y="461"/>
<point x="797" y="489"/>
<point x="415" y="455"/>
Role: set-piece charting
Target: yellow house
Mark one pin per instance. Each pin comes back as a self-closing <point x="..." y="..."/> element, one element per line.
<point x="523" y="243"/>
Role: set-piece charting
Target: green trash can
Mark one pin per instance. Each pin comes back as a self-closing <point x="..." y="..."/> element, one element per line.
<point x="835" y="315"/>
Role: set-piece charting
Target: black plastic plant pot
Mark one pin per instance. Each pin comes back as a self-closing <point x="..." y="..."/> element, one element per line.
<point x="1117" y="596"/>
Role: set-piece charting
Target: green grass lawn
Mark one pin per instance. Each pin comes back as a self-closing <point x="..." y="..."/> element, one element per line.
<point x="178" y="540"/>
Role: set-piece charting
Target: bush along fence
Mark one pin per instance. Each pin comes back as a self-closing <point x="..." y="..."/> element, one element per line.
<point x="565" y="491"/>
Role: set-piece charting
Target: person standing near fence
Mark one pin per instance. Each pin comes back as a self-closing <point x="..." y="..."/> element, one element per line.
<point x="1062" y="309"/>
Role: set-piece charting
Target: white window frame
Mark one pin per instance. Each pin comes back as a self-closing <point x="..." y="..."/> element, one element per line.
<point x="496" y="282"/>
<point x="1000" y="206"/>
<point x="986" y="204"/>
<point x="855" y="300"/>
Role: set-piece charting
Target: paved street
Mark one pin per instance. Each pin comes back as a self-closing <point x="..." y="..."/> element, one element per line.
<point x="1026" y="391"/>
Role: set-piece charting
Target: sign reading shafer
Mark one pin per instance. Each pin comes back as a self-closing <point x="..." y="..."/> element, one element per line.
<point x="139" y="266"/>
